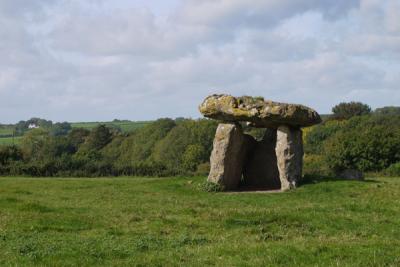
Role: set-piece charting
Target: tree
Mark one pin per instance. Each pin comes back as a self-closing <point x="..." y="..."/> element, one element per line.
<point x="60" y="128"/>
<point x="9" y="153"/>
<point x="99" y="137"/>
<point x="388" y="111"/>
<point x="77" y="136"/>
<point x="32" y="142"/>
<point x="345" y="111"/>
<point x="171" y="149"/>
<point x="193" y="156"/>
<point x="368" y="143"/>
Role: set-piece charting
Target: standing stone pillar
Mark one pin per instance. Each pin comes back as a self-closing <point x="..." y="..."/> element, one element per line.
<point x="289" y="152"/>
<point x="227" y="156"/>
<point x="235" y="154"/>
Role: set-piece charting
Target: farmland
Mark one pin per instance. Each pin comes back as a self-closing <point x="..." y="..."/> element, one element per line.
<point x="10" y="140"/>
<point x="170" y="222"/>
<point x="6" y="131"/>
<point x="125" y="126"/>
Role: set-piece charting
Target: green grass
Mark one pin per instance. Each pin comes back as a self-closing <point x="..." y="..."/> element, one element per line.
<point x="6" y="130"/>
<point x="9" y="140"/>
<point x="126" y="126"/>
<point x="169" y="222"/>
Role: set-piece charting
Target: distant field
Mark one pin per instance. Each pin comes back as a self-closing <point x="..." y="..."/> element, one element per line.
<point x="4" y="130"/>
<point x="169" y="222"/>
<point x="125" y="126"/>
<point x="9" y="140"/>
<point x="7" y="131"/>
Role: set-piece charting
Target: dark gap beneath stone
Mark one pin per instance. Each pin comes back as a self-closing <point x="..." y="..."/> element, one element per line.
<point x="260" y="170"/>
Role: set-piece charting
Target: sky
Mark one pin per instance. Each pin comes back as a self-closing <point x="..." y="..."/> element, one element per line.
<point x="98" y="60"/>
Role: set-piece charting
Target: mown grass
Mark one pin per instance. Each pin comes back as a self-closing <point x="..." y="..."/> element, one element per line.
<point x="126" y="126"/>
<point x="169" y="222"/>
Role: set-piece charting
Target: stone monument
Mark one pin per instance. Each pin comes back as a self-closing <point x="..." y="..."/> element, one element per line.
<point x="238" y="159"/>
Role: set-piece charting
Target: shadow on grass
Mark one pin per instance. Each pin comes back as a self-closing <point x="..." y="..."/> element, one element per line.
<point x="314" y="179"/>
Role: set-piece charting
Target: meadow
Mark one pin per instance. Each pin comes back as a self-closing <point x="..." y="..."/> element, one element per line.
<point x="10" y="140"/>
<point x="171" y="222"/>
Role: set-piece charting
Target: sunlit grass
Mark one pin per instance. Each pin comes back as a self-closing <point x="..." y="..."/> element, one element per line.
<point x="170" y="222"/>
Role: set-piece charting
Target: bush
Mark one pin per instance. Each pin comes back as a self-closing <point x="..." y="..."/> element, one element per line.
<point x="347" y="110"/>
<point x="315" y="165"/>
<point x="393" y="170"/>
<point x="315" y="136"/>
<point x="365" y="144"/>
<point x="203" y="169"/>
<point x="388" y="111"/>
<point x="211" y="187"/>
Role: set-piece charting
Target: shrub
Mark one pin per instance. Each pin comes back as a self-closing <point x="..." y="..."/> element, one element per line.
<point x="348" y="110"/>
<point x="211" y="187"/>
<point x="388" y="111"/>
<point x="315" y="165"/>
<point x="315" y="136"/>
<point x="393" y="170"/>
<point x="203" y="169"/>
<point x="365" y="144"/>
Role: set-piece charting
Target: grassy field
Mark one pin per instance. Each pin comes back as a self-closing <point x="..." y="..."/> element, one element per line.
<point x="126" y="126"/>
<point x="6" y="130"/>
<point x="9" y="140"/>
<point x="169" y="222"/>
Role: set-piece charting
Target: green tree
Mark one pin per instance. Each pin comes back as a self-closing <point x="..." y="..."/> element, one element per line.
<point x="388" y="111"/>
<point x="9" y="154"/>
<point x="138" y="145"/>
<point x="98" y="138"/>
<point x="60" y="128"/>
<point x="193" y="156"/>
<point x="77" y="136"/>
<point x="32" y="143"/>
<point x="171" y="149"/>
<point x="344" y="111"/>
<point x="366" y="143"/>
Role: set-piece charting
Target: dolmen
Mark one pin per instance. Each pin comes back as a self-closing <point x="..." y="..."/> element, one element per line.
<point x="238" y="160"/>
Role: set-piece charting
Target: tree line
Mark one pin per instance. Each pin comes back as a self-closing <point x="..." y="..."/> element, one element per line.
<point x="353" y="137"/>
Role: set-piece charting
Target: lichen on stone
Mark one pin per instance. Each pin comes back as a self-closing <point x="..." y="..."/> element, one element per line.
<point x="257" y="111"/>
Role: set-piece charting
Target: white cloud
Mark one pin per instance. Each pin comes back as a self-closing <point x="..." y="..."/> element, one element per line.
<point x="93" y="60"/>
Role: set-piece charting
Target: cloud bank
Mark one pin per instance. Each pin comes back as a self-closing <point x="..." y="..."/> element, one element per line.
<point x="96" y="60"/>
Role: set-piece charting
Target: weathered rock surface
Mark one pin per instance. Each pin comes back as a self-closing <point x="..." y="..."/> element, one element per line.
<point x="258" y="112"/>
<point x="261" y="169"/>
<point x="227" y="156"/>
<point x="289" y="153"/>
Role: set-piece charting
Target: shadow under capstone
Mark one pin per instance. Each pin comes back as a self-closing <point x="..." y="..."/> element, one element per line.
<point x="260" y="170"/>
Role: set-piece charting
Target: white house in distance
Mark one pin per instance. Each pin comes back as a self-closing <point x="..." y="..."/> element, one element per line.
<point x="33" y="126"/>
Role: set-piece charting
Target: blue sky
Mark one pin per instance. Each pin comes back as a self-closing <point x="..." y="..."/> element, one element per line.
<point x="96" y="60"/>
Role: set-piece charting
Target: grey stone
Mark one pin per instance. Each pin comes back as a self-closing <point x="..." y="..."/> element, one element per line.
<point x="289" y="153"/>
<point x="227" y="156"/>
<point x="261" y="169"/>
<point x="257" y="111"/>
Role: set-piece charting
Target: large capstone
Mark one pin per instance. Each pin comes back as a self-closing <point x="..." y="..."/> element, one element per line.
<point x="227" y="156"/>
<point x="257" y="111"/>
<point x="289" y="153"/>
<point x="261" y="170"/>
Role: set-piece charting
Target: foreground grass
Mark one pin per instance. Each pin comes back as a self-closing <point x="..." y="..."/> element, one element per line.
<point x="169" y="222"/>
